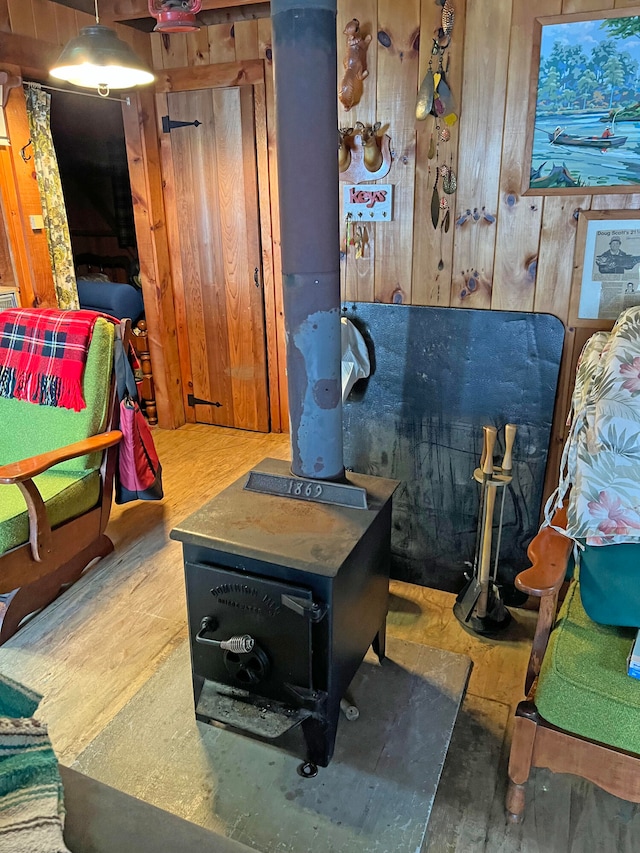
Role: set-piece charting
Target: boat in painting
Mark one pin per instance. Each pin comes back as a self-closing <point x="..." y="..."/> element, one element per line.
<point x="600" y="142"/>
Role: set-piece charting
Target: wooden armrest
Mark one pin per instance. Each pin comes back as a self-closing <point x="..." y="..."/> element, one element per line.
<point x="26" y="469"/>
<point x="549" y="553"/>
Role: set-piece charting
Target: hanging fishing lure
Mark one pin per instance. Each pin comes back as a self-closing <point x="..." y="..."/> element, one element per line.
<point x="444" y="105"/>
<point x="435" y="203"/>
<point x="432" y="148"/>
<point x="448" y="19"/>
<point x="424" y="102"/>
<point x="449" y="180"/>
<point x="446" y="219"/>
<point x="434" y="95"/>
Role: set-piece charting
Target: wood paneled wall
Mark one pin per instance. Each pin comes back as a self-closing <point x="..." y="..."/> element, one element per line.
<point x="52" y="23"/>
<point x="523" y="260"/>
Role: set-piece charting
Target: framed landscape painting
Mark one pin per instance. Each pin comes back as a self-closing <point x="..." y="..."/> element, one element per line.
<point x="584" y="107"/>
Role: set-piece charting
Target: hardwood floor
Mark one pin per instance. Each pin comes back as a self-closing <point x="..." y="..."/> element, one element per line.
<point x="94" y="648"/>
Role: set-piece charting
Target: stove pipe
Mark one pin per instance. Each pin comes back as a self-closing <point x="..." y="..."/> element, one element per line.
<point x="305" y="70"/>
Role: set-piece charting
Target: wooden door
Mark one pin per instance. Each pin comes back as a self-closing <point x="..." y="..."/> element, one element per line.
<point x="215" y="240"/>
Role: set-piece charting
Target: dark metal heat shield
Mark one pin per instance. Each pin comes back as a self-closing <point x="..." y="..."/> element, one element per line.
<point x="438" y="375"/>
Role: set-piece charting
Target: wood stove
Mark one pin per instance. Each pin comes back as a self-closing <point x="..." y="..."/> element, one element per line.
<point x="286" y="585"/>
<point x="284" y="598"/>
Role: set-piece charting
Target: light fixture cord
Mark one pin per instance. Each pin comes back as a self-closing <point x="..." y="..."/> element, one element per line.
<point x="103" y="89"/>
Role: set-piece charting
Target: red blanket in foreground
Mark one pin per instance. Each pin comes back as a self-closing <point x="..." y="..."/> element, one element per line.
<point x="43" y="352"/>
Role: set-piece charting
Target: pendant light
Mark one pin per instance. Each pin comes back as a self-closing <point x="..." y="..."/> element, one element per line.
<point x="98" y="59"/>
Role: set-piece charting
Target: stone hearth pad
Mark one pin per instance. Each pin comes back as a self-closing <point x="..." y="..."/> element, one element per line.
<point x="376" y="795"/>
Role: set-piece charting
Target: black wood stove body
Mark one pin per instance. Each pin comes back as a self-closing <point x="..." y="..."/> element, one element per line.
<point x="284" y="598"/>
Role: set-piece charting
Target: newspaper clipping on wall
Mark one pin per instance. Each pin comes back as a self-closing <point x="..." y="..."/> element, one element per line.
<point x="611" y="272"/>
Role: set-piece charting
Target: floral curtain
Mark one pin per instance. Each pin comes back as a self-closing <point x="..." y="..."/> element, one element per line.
<point x="52" y="199"/>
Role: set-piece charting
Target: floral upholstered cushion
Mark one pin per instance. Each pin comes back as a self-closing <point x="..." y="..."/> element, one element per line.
<point x="602" y="455"/>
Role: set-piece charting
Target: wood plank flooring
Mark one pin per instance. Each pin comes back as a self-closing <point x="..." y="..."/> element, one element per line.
<point x="92" y="650"/>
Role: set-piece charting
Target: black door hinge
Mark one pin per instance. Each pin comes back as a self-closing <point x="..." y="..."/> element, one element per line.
<point x="304" y="607"/>
<point x="196" y="401"/>
<point x="168" y="124"/>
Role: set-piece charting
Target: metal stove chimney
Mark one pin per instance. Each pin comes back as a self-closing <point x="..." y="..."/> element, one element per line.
<point x="305" y="69"/>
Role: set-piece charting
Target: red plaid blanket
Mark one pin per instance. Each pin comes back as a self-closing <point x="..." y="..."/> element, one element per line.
<point x="42" y="355"/>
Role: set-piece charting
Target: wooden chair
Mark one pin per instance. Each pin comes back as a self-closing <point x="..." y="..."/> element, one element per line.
<point x="537" y="742"/>
<point x="115" y="299"/>
<point x="67" y="489"/>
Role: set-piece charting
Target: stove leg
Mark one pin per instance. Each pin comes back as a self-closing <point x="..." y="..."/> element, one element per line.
<point x="380" y="641"/>
<point x="320" y="737"/>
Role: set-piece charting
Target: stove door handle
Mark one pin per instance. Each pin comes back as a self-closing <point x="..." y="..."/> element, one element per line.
<point x="209" y="623"/>
<point x="239" y="645"/>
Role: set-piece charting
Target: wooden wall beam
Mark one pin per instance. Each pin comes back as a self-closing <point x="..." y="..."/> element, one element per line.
<point x="34" y="57"/>
<point x="155" y="269"/>
<point x="193" y="77"/>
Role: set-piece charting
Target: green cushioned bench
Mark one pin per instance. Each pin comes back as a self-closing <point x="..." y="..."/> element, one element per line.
<point x="65" y="494"/>
<point x="581" y="714"/>
<point x="56" y="483"/>
<point x="72" y="487"/>
<point x="583" y="684"/>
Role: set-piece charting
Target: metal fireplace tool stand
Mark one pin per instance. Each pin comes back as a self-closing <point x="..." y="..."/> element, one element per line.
<point x="479" y="606"/>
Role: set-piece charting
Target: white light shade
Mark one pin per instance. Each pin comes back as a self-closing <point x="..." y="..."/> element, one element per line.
<point x="98" y="59"/>
<point x="93" y="76"/>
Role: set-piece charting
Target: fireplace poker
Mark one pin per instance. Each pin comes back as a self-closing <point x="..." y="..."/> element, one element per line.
<point x="469" y="597"/>
<point x="489" y="439"/>
<point x="478" y="607"/>
<point x="506" y="469"/>
<point x="489" y="489"/>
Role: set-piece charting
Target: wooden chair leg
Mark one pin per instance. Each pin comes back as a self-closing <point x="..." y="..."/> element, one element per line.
<point x="515" y="802"/>
<point x="520" y="758"/>
<point x="147" y="390"/>
<point x="32" y="598"/>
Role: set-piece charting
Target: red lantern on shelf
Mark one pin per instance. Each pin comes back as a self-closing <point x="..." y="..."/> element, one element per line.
<point x="175" y="16"/>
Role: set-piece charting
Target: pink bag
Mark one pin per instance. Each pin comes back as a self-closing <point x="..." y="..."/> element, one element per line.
<point x="138" y="473"/>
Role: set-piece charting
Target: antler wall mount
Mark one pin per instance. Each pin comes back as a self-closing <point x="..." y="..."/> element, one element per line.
<point x="363" y="154"/>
